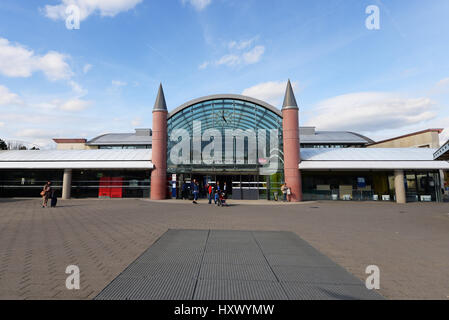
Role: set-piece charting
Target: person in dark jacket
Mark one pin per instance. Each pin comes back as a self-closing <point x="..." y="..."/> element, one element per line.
<point x="196" y="191"/>
<point x="54" y="198"/>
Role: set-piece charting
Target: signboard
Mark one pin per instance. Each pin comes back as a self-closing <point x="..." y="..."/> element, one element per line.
<point x="361" y="182"/>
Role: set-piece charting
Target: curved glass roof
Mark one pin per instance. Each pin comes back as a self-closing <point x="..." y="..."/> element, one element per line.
<point x="226" y="113"/>
<point x="222" y="113"/>
<point x="226" y="97"/>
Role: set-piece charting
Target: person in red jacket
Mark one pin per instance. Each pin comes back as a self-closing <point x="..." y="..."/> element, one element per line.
<point x="209" y="192"/>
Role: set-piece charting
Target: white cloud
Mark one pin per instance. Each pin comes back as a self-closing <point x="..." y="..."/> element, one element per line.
<point x="18" y="61"/>
<point x="229" y="60"/>
<point x="204" y="65"/>
<point x="54" y="66"/>
<point x="108" y="8"/>
<point x="43" y="106"/>
<point x="198" y="4"/>
<point x="35" y="133"/>
<point x="87" y="68"/>
<point x="118" y="83"/>
<point x="441" y="87"/>
<point x="254" y="55"/>
<point x="272" y="92"/>
<point x="75" y="105"/>
<point x="371" y="112"/>
<point x="2" y="124"/>
<point x="241" y="53"/>
<point x="443" y="82"/>
<point x="250" y="57"/>
<point x="77" y="88"/>
<point x="7" y="97"/>
<point x="40" y="121"/>
<point x="243" y="44"/>
<point x="136" y="122"/>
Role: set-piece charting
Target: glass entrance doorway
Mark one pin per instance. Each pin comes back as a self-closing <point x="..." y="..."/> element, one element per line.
<point x="238" y="187"/>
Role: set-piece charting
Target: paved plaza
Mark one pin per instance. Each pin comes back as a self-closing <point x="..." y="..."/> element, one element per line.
<point x="409" y="243"/>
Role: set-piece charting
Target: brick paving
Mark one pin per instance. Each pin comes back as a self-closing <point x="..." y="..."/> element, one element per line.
<point x="410" y="243"/>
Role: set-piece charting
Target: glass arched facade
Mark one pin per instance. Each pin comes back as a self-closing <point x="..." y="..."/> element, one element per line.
<point x="221" y="138"/>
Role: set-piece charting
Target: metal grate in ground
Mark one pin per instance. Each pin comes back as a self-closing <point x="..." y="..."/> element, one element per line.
<point x="234" y="265"/>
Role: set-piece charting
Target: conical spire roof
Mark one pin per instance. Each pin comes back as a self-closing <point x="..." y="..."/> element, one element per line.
<point x="160" y="104"/>
<point x="289" y="99"/>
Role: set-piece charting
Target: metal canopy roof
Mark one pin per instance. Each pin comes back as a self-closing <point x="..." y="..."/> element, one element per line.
<point x="120" y="139"/>
<point x="76" y="159"/>
<point x="368" y="154"/>
<point x="323" y="137"/>
<point x="312" y="159"/>
<point x="333" y="137"/>
<point x="370" y="159"/>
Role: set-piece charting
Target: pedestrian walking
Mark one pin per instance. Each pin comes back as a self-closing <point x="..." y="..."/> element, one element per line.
<point x="217" y="198"/>
<point x="284" y="189"/>
<point x="289" y="194"/>
<point x="209" y="193"/>
<point x="45" y="194"/>
<point x="225" y="190"/>
<point x="196" y="190"/>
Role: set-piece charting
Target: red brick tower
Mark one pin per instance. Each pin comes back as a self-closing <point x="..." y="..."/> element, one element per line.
<point x="290" y="123"/>
<point x="159" y="184"/>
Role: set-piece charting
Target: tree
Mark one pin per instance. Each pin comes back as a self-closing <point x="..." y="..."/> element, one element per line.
<point x="16" y="145"/>
<point x="3" y="145"/>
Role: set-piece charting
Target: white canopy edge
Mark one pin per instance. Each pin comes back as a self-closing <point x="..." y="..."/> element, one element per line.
<point x="374" y="165"/>
<point x="76" y="165"/>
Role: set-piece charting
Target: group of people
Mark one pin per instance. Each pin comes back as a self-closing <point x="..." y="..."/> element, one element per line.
<point x="219" y="196"/>
<point x="213" y="192"/>
<point x="48" y="193"/>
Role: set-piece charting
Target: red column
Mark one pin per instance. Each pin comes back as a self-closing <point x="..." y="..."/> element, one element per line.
<point x="292" y="174"/>
<point x="159" y="156"/>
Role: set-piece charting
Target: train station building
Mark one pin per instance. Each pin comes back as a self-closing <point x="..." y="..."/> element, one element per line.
<point x="244" y="142"/>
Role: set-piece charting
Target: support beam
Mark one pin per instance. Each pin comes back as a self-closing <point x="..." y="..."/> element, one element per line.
<point x="399" y="186"/>
<point x="67" y="184"/>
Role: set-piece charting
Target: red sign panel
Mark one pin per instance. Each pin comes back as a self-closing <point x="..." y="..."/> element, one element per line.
<point x="110" y="187"/>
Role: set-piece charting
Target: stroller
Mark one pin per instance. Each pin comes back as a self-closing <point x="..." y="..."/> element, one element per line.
<point x="222" y="200"/>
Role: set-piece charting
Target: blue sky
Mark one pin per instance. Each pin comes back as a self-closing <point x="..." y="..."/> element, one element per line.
<point x="103" y="77"/>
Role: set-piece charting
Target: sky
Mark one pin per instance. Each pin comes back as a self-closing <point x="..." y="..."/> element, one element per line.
<point x="64" y="82"/>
